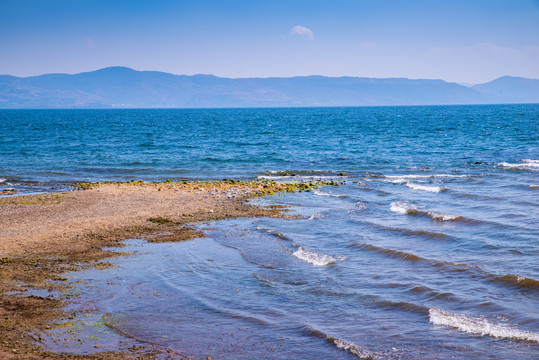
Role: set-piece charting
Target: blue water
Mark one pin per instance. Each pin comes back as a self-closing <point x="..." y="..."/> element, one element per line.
<point x="429" y="250"/>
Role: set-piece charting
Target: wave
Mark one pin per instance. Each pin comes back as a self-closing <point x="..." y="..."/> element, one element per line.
<point x="360" y="206"/>
<point x="479" y="325"/>
<point x="301" y="174"/>
<point x="407" y="208"/>
<point x="511" y="280"/>
<point x="390" y="252"/>
<point x="2" y="180"/>
<point x="351" y="347"/>
<point x="296" y="177"/>
<point x="516" y="280"/>
<point x="314" y="258"/>
<point x="441" y="217"/>
<point x="435" y="189"/>
<point x="411" y="185"/>
<point x="432" y="295"/>
<point x="396" y="181"/>
<point x="432" y="176"/>
<point x="402" y="207"/>
<point x="273" y="232"/>
<point x="476" y="196"/>
<point x="340" y="344"/>
<point x="526" y="164"/>
<point x="404" y="306"/>
<point x="412" y="232"/>
<point x="534" y="186"/>
<point x="316" y="215"/>
<point x="321" y="193"/>
<point x="436" y="216"/>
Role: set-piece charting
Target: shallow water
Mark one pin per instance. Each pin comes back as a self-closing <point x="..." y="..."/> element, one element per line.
<point x="428" y="251"/>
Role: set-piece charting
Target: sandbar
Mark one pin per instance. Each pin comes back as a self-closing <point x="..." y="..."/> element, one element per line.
<point x="45" y="235"/>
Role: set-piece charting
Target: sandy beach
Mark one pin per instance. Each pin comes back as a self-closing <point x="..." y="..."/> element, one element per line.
<point x="45" y="235"/>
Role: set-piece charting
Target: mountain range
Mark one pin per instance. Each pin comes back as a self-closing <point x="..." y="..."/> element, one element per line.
<point x="121" y="87"/>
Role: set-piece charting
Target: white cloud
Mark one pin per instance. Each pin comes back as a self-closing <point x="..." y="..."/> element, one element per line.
<point x="302" y="31"/>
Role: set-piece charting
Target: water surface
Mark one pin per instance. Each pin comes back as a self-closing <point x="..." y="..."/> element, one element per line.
<point x="429" y="250"/>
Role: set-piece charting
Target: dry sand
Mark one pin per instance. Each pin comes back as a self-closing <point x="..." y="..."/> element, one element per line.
<point x="42" y="236"/>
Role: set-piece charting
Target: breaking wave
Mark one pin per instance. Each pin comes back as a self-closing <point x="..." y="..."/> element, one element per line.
<point x="321" y="193"/>
<point x="296" y="177"/>
<point x="414" y="186"/>
<point x="479" y="325"/>
<point x="434" y="189"/>
<point x="301" y="174"/>
<point x="314" y="258"/>
<point x="402" y="207"/>
<point x="405" y="208"/>
<point x="433" y="176"/>
<point x="440" y="217"/>
<point x="351" y="347"/>
<point x="524" y="164"/>
<point x="316" y="215"/>
<point x="340" y="344"/>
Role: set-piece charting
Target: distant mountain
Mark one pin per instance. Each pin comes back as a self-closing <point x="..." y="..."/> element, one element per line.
<point x="121" y="87"/>
<point x="509" y="89"/>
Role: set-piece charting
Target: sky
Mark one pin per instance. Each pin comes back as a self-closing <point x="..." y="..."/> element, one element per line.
<point x="464" y="41"/>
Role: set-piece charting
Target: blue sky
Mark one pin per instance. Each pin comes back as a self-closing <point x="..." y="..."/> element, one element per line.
<point x="462" y="41"/>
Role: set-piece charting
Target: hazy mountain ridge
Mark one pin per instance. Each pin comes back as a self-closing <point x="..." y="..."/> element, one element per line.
<point x="125" y="87"/>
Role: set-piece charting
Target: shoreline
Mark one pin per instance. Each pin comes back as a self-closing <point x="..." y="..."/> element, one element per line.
<point x="43" y="236"/>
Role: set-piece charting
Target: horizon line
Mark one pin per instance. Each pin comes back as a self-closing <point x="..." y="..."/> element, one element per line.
<point x="263" y="107"/>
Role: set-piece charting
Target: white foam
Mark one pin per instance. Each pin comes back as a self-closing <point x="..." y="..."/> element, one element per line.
<point x="321" y="193"/>
<point x="397" y="181"/>
<point x="478" y="325"/>
<point x="3" y="180"/>
<point x="434" y="189"/>
<point x="524" y="164"/>
<point x="314" y="258"/>
<point x="361" y="205"/>
<point x="276" y="172"/>
<point x="287" y="177"/>
<point x="433" y="176"/>
<point x="534" y="186"/>
<point x="442" y="217"/>
<point x="402" y="207"/>
<point x="353" y="348"/>
<point x="316" y="215"/>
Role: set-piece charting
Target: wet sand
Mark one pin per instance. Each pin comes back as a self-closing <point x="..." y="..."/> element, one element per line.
<point x="45" y="235"/>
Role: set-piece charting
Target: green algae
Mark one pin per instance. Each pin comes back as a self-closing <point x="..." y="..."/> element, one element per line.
<point x="159" y="220"/>
<point x="259" y="187"/>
